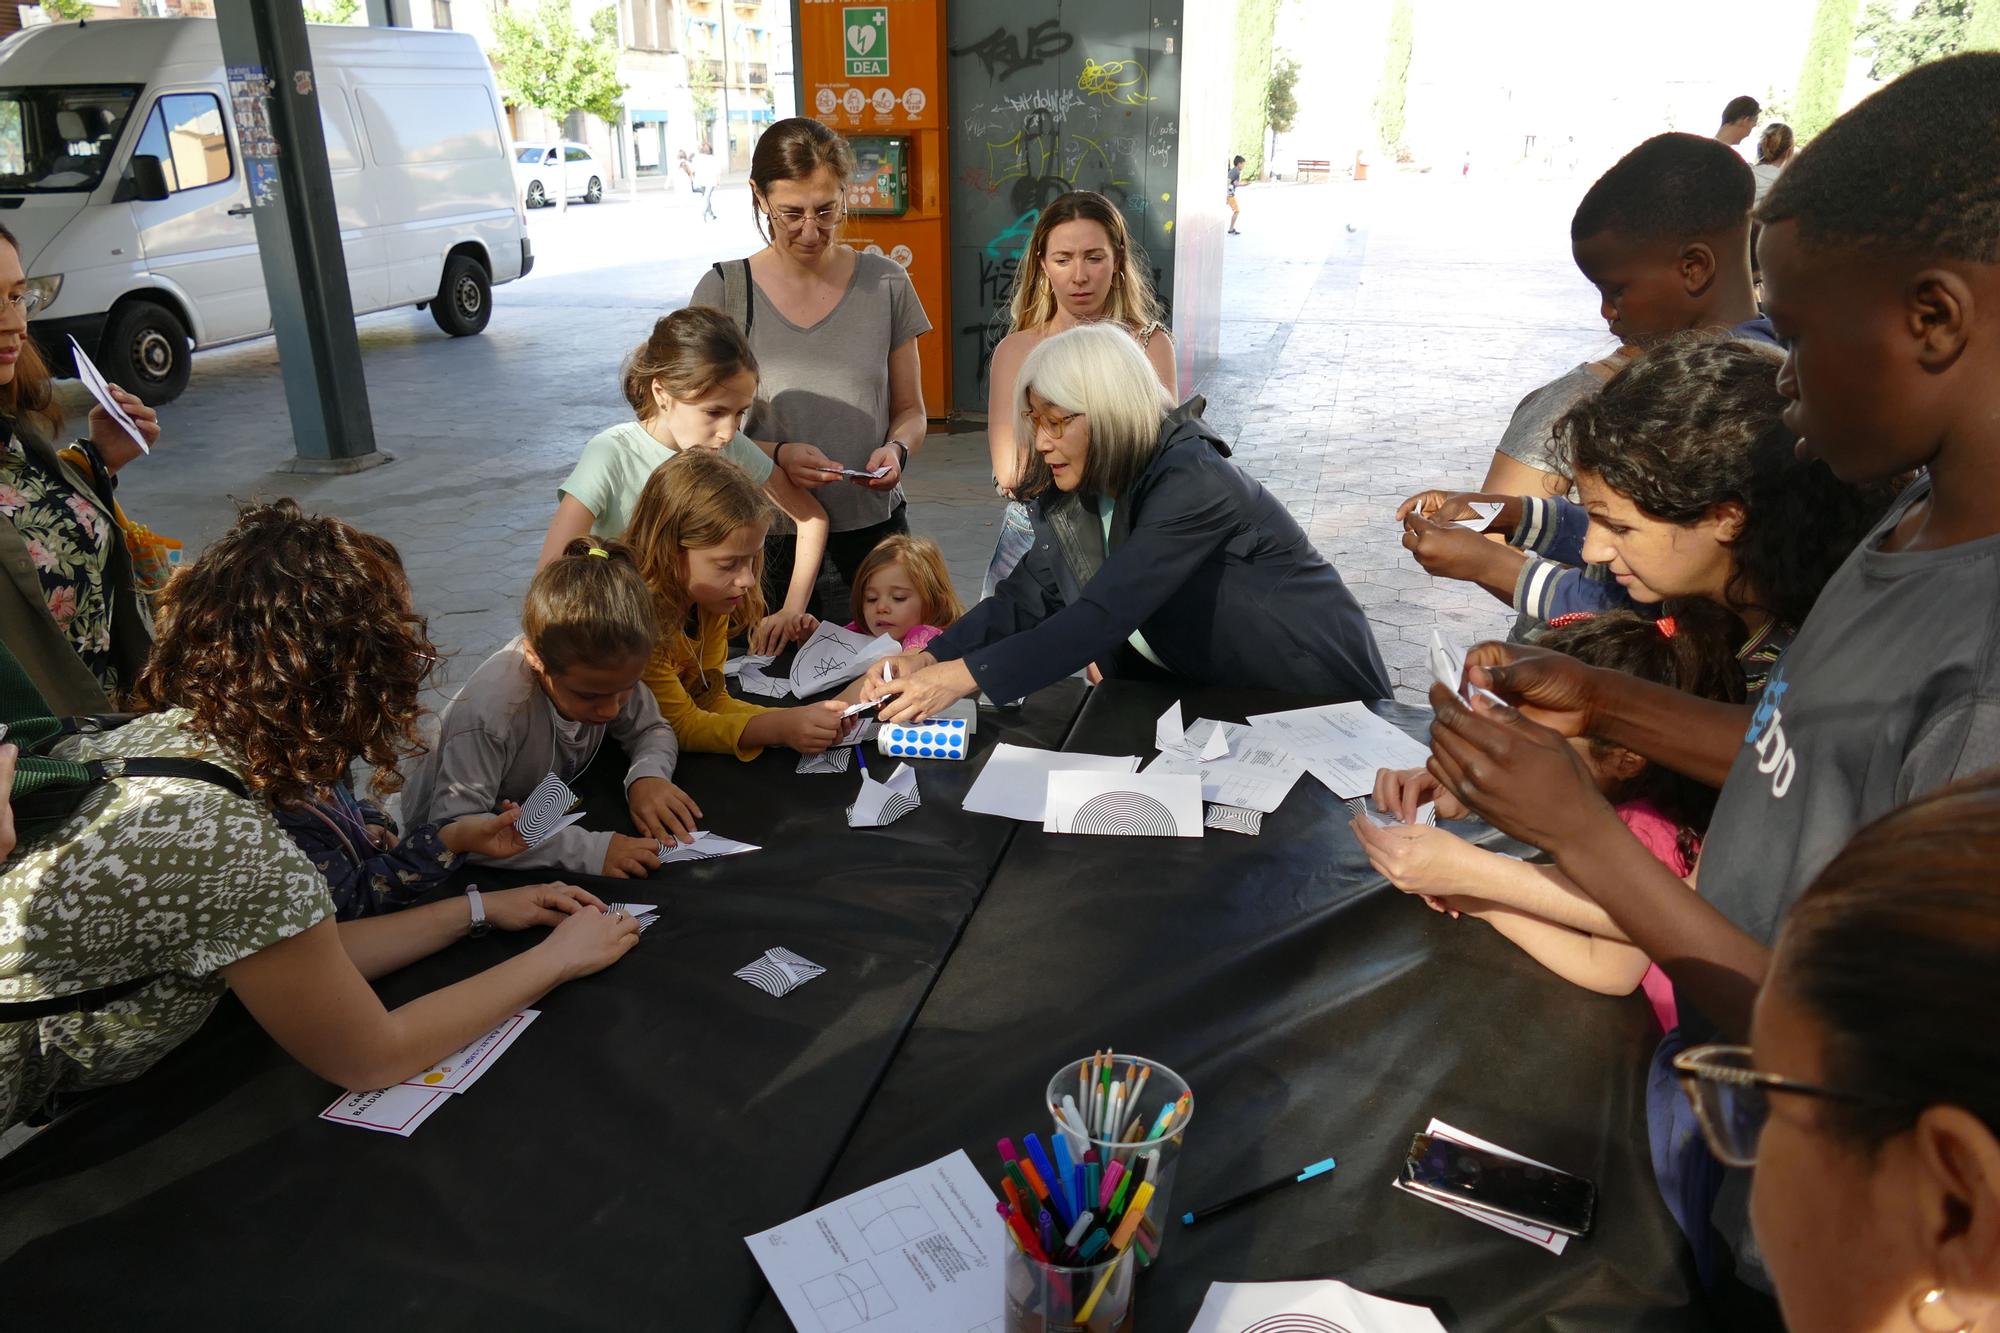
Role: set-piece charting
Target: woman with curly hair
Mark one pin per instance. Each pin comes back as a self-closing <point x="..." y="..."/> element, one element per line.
<point x="245" y="655"/>
<point x="1691" y="487"/>
<point x="122" y="924"/>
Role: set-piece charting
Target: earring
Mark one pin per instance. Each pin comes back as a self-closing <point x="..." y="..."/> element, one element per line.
<point x="1921" y="1313"/>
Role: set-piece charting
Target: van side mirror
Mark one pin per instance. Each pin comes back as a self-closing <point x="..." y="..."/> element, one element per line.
<point x="148" y="178"/>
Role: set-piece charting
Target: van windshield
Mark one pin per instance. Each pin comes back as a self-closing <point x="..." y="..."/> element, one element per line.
<point x="55" y="139"/>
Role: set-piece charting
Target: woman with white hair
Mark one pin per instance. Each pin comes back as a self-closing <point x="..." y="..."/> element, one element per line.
<point x="1152" y="553"/>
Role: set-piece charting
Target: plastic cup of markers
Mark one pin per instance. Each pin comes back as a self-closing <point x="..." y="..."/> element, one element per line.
<point x="1160" y="1153"/>
<point x="1049" y="1298"/>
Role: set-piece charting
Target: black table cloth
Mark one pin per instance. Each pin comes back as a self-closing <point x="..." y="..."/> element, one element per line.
<point x="1316" y="1012"/>
<point x="602" y="1173"/>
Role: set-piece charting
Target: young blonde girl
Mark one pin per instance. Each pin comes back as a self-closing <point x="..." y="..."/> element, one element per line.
<point x="904" y="590"/>
<point x="689" y="385"/>
<point x="545" y="703"/>
<point x="697" y="535"/>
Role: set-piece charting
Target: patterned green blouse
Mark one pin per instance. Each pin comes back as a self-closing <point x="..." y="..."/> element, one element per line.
<point x="69" y="540"/>
<point x="165" y="876"/>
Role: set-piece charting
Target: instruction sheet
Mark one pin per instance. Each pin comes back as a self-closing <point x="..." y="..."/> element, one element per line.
<point x="919" y="1253"/>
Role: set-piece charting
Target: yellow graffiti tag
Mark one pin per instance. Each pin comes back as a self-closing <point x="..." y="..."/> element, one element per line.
<point x="1120" y="81"/>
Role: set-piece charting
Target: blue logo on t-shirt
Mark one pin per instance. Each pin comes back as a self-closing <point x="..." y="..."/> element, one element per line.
<point x="1775" y="754"/>
<point x="1767" y="704"/>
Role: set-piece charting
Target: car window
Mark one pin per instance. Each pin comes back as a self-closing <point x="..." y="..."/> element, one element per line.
<point x="185" y="131"/>
<point x="576" y="155"/>
<point x="530" y="156"/>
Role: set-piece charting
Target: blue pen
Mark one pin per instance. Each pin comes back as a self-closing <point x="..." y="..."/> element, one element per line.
<point x="1098" y="1240"/>
<point x="1058" y="1190"/>
<point x="1318" y="1168"/>
<point x="861" y="759"/>
<point x="1066" y="1173"/>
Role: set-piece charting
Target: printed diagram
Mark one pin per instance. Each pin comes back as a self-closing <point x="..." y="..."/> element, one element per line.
<point x="892" y="1219"/>
<point x="849" y="1298"/>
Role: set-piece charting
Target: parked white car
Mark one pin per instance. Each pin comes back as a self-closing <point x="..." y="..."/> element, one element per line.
<point x="542" y="176"/>
<point x="122" y="172"/>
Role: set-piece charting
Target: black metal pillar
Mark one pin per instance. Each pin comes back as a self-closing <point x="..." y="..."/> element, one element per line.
<point x="276" y="104"/>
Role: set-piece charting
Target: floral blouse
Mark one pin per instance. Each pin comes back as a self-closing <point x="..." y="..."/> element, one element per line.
<point x="70" y="542"/>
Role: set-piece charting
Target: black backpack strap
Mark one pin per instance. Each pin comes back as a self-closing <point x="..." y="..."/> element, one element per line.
<point x="197" y="770"/>
<point x="76" y="1002"/>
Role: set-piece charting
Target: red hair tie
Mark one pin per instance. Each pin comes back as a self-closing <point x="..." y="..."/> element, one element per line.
<point x="1667" y="626"/>
<point x="1571" y="618"/>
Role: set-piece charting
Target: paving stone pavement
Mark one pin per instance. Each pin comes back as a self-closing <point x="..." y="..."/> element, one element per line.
<point x="1357" y="366"/>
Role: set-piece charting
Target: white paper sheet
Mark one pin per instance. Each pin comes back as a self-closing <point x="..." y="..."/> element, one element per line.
<point x="734" y="666"/>
<point x="881" y="803"/>
<point x="1233" y="819"/>
<point x="542" y="814"/>
<point x="923" y="1252"/>
<point x="753" y="679"/>
<point x="1448" y="669"/>
<point x="1168" y="733"/>
<point x="1482" y="514"/>
<point x="396" y="1110"/>
<point x="1014" y="783"/>
<point x="100" y="389"/>
<point x="705" y="847"/>
<point x="1131" y="805"/>
<point x="646" y="914"/>
<point x="1239" y="1307"/>
<point x="1253" y="772"/>
<point x="833" y="656"/>
<point x="462" y="1068"/>
<point x="1341" y="744"/>
<point x="836" y="760"/>
<point x="1552" y="1241"/>
<point x="779" y="972"/>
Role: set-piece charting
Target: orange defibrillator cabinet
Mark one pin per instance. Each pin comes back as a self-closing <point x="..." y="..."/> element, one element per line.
<point x="874" y="73"/>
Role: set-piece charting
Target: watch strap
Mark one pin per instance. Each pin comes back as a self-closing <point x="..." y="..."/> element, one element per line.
<point x="480" y="925"/>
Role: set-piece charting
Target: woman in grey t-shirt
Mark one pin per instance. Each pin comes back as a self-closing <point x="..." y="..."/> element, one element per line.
<point x="835" y="333"/>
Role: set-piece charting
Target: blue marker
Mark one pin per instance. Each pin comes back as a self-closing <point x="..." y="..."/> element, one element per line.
<point x="1318" y="1168"/>
<point x="1058" y="1190"/>
<point x="1066" y="1176"/>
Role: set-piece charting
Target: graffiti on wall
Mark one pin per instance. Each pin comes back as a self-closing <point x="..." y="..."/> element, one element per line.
<point x="1061" y="97"/>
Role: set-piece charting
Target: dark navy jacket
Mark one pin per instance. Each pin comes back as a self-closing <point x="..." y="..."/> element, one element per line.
<point x="1204" y="561"/>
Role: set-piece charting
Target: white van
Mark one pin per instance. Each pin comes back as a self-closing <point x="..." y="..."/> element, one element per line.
<point x="122" y="174"/>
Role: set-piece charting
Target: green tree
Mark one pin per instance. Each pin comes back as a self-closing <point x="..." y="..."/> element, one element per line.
<point x="701" y="88"/>
<point x="1982" y="32"/>
<point x="1390" y="102"/>
<point x="1934" y="29"/>
<point x="1281" y="103"/>
<point x="334" y="11"/>
<point x="1256" y="22"/>
<point x="68" y="11"/>
<point x="1823" y="77"/>
<point x="545" y="62"/>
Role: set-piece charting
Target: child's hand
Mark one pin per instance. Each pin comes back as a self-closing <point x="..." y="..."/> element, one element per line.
<point x="1439" y="904"/>
<point x="1450" y="506"/>
<point x="490" y="836"/>
<point x="662" y="811"/>
<point x="537" y="905"/>
<point x="779" y="628"/>
<point x="811" y="728"/>
<point x="1418" y="859"/>
<point x="587" y="942"/>
<point x="1399" y="791"/>
<point x="631" y="858"/>
<point x="1448" y="551"/>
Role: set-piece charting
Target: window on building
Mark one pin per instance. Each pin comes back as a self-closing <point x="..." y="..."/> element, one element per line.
<point x="649" y="24"/>
<point x="186" y="132"/>
<point x="441" y="14"/>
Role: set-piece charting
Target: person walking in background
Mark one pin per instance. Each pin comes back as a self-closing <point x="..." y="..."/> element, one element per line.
<point x="1774" y="150"/>
<point x="1235" y="179"/>
<point x="1739" y="120"/>
<point x="707" y="175"/>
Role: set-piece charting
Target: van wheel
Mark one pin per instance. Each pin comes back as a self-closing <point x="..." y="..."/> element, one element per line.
<point x="146" y="350"/>
<point x="465" y="298"/>
<point x="537" y="197"/>
<point x="595" y="194"/>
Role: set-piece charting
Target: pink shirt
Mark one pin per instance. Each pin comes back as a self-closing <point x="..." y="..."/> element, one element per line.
<point x="1662" y="838"/>
<point x="915" y="641"/>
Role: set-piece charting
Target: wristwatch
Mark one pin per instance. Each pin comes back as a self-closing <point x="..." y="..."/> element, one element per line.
<point x="480" y="925"/>
<point x="903" y="455"/>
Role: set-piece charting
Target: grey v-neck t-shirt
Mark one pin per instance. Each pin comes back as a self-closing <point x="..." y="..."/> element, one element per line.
<point x="829" y="385"/>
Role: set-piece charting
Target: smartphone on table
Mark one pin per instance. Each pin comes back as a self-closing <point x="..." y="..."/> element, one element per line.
<point x="1522" y="1191"/>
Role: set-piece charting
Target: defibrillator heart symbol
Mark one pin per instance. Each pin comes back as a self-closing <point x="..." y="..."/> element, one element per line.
<point x="861" y="38"/>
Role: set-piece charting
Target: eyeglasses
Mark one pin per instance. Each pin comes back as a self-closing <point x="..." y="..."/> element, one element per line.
<point x="1732" y="1100"/>
<point x="24" y="304"/>
<point x="1052" y="423"/>
<point x="793" y="220"/>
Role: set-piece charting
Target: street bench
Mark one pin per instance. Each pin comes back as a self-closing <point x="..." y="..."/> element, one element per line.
<point x="1314" y="166"/>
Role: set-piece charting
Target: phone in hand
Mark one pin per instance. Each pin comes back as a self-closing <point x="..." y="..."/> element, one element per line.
<point x="1522" y="1191"/>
